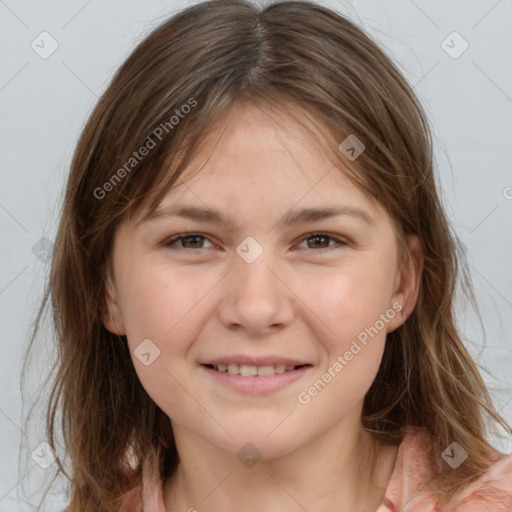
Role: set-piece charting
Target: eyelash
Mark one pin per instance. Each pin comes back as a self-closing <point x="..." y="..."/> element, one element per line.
<point x="170" y="241"/>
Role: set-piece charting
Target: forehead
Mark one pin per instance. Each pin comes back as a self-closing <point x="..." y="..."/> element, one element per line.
<point x="267" y="156"/>
<point x="248" y="127"/>
<point x="256" y="167"/>
<point x="255" y="149"/>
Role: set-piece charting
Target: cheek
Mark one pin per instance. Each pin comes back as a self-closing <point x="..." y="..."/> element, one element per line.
<point x="155" y="311"/>
<point x="158" y="303"/>
<point x="166" y="307"/>
<point x="351" y="300"/>
<point x="351" y="304"/>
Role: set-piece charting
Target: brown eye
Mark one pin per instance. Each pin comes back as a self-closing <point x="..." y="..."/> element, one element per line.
<point x="187" y="241"/>
<point x="322" y="241"/>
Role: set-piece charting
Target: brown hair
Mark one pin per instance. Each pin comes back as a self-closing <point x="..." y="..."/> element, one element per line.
<point x="211" y="56"/>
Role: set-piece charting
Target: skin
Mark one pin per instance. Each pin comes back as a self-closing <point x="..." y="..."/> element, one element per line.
<point x="198" y="299"/>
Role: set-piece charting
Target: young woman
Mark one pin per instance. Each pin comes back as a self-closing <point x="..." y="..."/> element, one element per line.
<point x="253" y="283"/>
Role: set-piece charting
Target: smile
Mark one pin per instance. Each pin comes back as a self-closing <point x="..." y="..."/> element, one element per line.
<point x="247" y="370"/>
<point x="252" y="379"/>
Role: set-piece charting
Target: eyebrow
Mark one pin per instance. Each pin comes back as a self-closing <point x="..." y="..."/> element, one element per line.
<point x="212" y="216"/>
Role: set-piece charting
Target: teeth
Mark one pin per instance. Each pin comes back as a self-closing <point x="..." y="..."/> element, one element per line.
<point x="233" y="369"/>
<point x="265" y="370"/>
<point x="247" y="370"/>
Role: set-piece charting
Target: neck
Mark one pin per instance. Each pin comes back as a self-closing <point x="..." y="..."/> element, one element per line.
<point x="334" y="472"/>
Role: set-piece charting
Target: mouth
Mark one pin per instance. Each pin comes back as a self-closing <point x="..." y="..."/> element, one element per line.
<point x="251" y="376"/>
<point x="246" y="370"/>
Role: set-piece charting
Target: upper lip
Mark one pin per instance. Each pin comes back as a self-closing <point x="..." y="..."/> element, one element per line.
<point x="253" y="361"/>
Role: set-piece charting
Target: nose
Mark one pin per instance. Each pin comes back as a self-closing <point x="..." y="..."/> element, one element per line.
<point x="256" y="297"/>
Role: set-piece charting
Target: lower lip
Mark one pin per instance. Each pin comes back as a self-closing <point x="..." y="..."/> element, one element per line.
<point x="257" y="385"/>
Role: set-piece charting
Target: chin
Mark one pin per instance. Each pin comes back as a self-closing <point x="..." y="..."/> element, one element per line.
<point x="260" y="444"/>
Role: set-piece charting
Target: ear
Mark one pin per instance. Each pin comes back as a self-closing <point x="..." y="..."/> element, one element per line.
<point x="407" y="283"/>
<point x="112" y="315"/>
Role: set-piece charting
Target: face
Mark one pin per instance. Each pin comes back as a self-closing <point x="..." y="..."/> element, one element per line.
<point x="253" y="322"/>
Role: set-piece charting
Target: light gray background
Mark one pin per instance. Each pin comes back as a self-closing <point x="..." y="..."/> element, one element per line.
<point x="45" y="102"/>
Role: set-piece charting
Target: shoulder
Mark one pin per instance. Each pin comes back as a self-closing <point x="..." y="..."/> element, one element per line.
<point x="130" y="502"/>
<point x="492" y="491"/>
<point x="408" y="485"/>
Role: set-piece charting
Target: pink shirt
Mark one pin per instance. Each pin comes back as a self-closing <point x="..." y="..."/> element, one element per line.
<point x="406" y="490"/>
